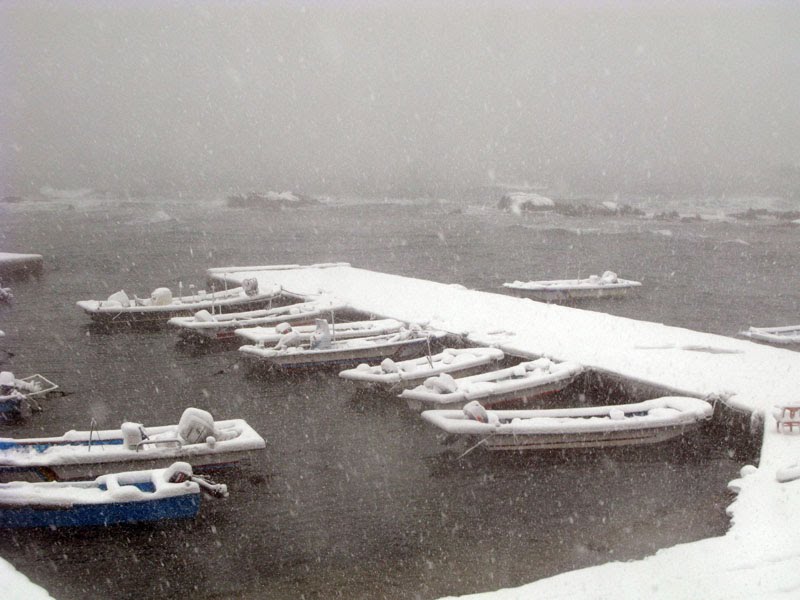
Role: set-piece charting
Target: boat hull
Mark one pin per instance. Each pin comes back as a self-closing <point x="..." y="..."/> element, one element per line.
<point x="133" y="316"/>
<point x="775" y="335"/>
<point x="93" y="515"/>
<point x="567" y="295"/>
<point x="338" y="358"/>
<point x="516" y="397"/>
<point x="599" y="439"/>
<point x="223" y="328"/>
<point x="73" y="470"/>
<point x="647" y="422"/>
<point x="409" y="382"/>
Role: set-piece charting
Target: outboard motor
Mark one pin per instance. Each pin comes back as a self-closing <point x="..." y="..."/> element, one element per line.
<point x="195" y="426"/>
<point x="321" y="338"/>
<point x="120" y="298"/>
<point x="131" y="435"/>
<point x="476" y="412"/>
<point x="250" y="286"/>
<point x="161" y="297"/>
<point x="178" y="472"/>
<point x="289" y="339"/>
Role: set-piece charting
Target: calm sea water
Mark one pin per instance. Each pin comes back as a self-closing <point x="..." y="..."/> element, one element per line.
<point x="355" y="497"/>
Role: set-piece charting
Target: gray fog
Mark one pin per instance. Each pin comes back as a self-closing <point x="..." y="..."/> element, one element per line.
<point x="398" y="98"/>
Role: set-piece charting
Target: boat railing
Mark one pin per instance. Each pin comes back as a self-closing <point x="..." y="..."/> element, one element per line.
<point x="176" y="441"/>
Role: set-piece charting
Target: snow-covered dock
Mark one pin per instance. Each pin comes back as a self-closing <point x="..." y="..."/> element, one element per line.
<point x="759" y="557"/>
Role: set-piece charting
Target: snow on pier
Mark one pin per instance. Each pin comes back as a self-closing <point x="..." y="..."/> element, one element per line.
<point x="759" y="557"/>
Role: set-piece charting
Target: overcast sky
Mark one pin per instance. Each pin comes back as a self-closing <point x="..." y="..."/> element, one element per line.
<point x="391" y="97"/>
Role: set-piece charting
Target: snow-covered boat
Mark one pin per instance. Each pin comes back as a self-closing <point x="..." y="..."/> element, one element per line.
<point x="269" y="336"/>
<point x="18" y="396"/>
<point x="391" y="375"/>
<point x="115" y="498"/>
<point x="206" y="326"/>
<point x="789" y="334"/>
<point x="645" y="422"/>
<point x="162" y="306"/>
<point x="520" y="383"/>
<point x="323" y="351"/>
<point x="197" y="439"/>
<point x="607" y="285"/>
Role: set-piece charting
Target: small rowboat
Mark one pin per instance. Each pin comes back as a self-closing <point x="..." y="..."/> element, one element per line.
<point x="206" y="326"/>
<point x="162" y="306"/>
<point x="520" y="383"/>
<point x="390" y="375"/>
<point x="117" y="498"/>
<point x="645" y="422"/>
<point x="608" y="285"/>
<point x="197" y="438"/>
<point x="269" y="336"/>
<point x="789" y="334"/>
<point x="321" y="351"/>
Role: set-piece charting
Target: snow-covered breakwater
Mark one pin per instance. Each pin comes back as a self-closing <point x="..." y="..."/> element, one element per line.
<point x="760" y="554"/>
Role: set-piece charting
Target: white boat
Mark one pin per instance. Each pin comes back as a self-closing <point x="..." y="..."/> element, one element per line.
<point x="196" y="439"/>
<point x="162" y="306"/>
<point x="222" y="326"/>
<point x="269" y="336"/>
<point x="116" y="498"/>
<point x="391" y="375"/>
<point x="520" y="383"/>
<point x="607" y="285"/>
<point x="789" y="334"/>
<point x="323" y="351"/>
<point x="645" y="422"/>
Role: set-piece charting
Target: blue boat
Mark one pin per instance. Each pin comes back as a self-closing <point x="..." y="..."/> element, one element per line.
<point x="118" y="498"/>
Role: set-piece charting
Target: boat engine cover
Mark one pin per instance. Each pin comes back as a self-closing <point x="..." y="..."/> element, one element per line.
<point x="195" y="425"/>
<point x="161" y="297"/>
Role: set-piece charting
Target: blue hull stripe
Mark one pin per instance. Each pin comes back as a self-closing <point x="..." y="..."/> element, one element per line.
<point x="41" y="447"/>
<point x="88" y="515"/>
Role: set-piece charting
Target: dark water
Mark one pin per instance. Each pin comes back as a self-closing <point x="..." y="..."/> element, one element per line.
<point x="355" y="497"/>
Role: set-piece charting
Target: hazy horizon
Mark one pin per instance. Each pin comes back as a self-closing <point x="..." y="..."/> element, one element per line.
<point x="390" y="97"/>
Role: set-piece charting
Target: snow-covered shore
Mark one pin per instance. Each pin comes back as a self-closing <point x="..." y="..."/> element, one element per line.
<point x="16" y="586"/>
<point x="759" y="557"/>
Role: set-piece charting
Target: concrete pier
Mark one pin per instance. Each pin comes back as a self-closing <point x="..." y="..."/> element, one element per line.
<point x="759" y="557"/>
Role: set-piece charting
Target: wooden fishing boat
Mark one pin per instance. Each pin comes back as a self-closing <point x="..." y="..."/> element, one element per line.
<point x="789" y="334"/>
<point x="521" y="383"/>
<point x="269" y="336"/>
<point x="112" y="499"/>
<point x="205" y="326"/>
<point x="323" y="351"/>
<point x="391" y="375"/>
<point x="197" y="439"/>
<point x="647" y="422"/>
<point x="607" y="285"/>
<point x="162" y="306"/>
